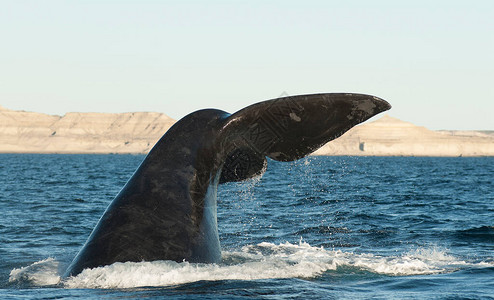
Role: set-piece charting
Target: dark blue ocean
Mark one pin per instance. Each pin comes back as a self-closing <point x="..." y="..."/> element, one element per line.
<point x="321" y="227"/>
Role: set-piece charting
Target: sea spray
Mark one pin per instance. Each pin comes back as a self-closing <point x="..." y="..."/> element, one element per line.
<point x="41" y="273"/>
<point x="252" y="262"/>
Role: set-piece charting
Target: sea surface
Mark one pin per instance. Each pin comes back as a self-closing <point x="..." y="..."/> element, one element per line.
<point x="318" y="228"/>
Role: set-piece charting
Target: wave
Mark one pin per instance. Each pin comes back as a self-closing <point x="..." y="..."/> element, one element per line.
<point x="41" y="273"/>
<point x="478" y="234"/>
<point x="252" y="262"/>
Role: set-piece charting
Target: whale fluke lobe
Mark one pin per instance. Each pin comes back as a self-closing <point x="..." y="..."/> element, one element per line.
<point x="290" y="128"/>
<point x="167" y="209"/>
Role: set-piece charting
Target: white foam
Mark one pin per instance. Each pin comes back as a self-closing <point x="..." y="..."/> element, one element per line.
<point x="262" y="261"/>
<point x="253" y="262"/>
<point x="41" y="273"/>
<point x="417" y="262"/>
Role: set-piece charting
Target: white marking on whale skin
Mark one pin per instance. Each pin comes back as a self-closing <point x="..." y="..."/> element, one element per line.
<point x="274" y="154"/>
<point x="294" y="117"/>
<point x="366" y="106"/>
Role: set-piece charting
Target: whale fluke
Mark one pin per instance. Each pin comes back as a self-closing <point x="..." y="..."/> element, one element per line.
<point x="167" y="209"/>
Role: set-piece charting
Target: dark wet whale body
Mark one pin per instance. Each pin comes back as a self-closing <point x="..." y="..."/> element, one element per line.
<point x="167" y="210"/>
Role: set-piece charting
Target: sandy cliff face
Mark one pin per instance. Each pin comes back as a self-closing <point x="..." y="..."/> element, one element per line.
<point x="393" y="137"/>
<point x="29" y="132"/>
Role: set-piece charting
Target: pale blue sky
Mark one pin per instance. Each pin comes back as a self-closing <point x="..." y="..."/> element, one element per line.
<point x="432" y="60"/>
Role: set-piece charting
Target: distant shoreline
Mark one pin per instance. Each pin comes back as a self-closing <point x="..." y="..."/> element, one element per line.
<point x="312" y="155"/>
<point x="24" y="132"/>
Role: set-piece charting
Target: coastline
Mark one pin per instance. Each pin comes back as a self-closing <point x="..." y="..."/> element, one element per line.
<point x="137" y="132"/>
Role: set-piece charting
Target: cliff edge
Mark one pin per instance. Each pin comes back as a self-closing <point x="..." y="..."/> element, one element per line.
<point x="137" y="132"/>
<point x="389" y="136"/>
<point x="30" y="132"/>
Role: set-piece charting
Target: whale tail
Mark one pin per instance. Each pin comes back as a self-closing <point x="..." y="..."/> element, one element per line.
<point x="290" y="128"/>
<point x="167" y="209"/>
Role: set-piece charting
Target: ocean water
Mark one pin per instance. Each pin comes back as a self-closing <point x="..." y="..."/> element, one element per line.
<point x="321" y="227"/>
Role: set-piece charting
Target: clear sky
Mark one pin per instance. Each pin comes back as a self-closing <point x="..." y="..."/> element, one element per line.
<point x="433" y="60"/>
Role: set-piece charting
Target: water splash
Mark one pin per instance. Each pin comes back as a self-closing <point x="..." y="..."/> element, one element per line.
<point x="252" y="262"/>
<point x="41" y="273"/>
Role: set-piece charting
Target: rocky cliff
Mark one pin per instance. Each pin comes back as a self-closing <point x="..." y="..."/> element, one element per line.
<point x="389" y="136"/>
<point x="30" y="132"/>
